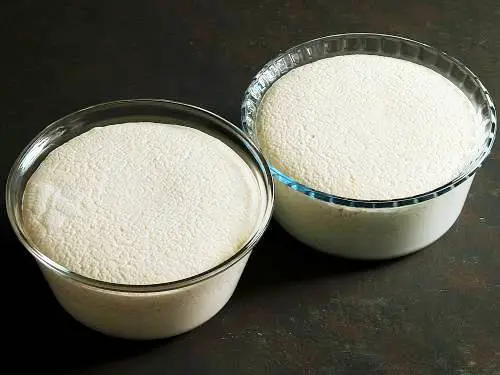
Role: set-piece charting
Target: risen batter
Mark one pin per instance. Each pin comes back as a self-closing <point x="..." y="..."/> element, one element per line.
<point x="368" y="127"/>
<point x="141" y="203"/>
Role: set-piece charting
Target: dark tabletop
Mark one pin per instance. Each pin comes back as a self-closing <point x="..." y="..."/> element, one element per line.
<point x="295" y="311"/>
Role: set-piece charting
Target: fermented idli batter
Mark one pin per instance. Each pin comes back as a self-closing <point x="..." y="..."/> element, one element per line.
<point x="368" y="127"/>
<point x="141" y="203"/>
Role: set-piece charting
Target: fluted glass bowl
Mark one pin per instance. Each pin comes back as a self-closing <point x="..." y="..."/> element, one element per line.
<point x="370" y="229"/>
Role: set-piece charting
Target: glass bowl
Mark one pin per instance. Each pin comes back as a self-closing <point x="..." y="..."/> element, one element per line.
<point x="140" y="311"/>
<point x="370" y="229"/>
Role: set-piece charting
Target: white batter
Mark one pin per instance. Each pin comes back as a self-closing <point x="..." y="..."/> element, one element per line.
<point x="141" y="203"/>
<point x="368" y="127"/>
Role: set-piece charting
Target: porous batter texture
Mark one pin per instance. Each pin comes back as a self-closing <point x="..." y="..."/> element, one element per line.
<point x="368" y="127"/>
<point x="141" y="203"/>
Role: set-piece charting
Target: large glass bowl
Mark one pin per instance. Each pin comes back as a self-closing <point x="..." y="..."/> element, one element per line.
<point x="140" y="311"/>
<point x="370" y="229"/>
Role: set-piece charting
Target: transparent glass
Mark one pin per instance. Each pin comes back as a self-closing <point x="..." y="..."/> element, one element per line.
<point x="140" y="311"/>
<point x="291" y="206"/>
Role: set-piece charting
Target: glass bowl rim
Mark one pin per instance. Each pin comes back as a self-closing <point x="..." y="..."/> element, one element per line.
<point x="373" y="203"/>
<point x="243" y="140"/>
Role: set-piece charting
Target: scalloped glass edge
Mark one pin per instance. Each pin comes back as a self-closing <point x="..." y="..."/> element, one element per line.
<point x="383" y="45"/>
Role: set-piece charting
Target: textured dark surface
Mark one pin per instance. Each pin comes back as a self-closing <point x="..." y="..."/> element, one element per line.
<point x="296" y="311"/>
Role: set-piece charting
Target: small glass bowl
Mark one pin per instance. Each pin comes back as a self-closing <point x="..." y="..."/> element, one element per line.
<point x="140" y="311"/>
<point x="370" y="229"/>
